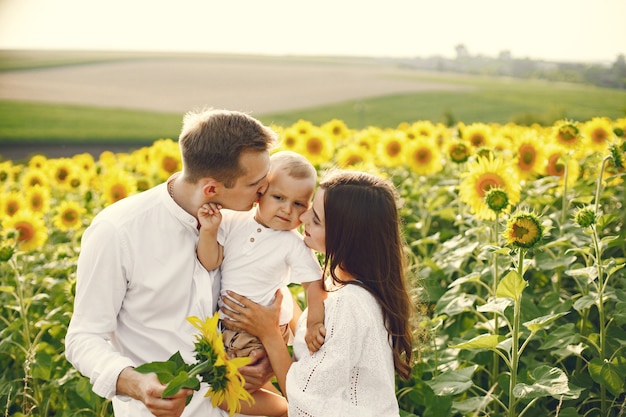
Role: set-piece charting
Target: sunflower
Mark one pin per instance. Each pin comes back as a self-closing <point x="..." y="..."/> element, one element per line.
<point x="367" y="138"/>
<point x="38" y="198"/>
<point x="423" y="156"/>
<point x="556" y="160"/>
<point x="337" y="129"/>
<point x="60" y="170"/>
<point x="12" y="203"/>
<point x="391" y="147"/>
<point x="458" y="151"/>
<point x="421" y="129"/>
<point x="477" y="135"/>
<point x="482" y="175"/>
<point x="69" y="216"/>
<point x="528" y="155"/>
<point x="317" y="146"/>
<point x="29" y="229"/>
<point x="352" y="155"/>
<point x="289" y="140"/>
<point x="165" y="155"/>
<point x="523" y="230"/>
<point x="118" y="185"/>
<point x="303" y="127"/>
<point x="86" y="164"/>
<point x="38" y="161"/>
<point x="222" y="373"/>
<point x="567" y="134"/>
<point x="7" y="171"/>
<point x="598" y="133"/>
<point x="35" y="176"/>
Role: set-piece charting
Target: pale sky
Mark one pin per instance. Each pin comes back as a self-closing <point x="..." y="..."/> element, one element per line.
<point x="557" y="30"/>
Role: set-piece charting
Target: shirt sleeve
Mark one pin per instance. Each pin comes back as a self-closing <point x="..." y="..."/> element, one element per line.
<point x="322" y="383"/>
<point x="100" y="289"/>
<point x="303" y="263"/>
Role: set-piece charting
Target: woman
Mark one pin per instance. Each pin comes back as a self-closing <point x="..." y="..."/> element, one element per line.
<point x="354" y="222"/>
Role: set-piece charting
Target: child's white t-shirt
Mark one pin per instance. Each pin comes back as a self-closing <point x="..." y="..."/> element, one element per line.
<point x="260" y="260"/>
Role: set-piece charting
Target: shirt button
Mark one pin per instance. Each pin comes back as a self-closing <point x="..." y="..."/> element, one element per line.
<point x="258" y="230"/>
<point x="251" y="239"/>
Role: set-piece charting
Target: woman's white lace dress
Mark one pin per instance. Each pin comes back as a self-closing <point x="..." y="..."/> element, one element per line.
<point x="352" y="374"/>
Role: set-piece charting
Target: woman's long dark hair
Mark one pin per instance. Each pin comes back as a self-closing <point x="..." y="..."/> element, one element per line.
<point x="363" y="238"/>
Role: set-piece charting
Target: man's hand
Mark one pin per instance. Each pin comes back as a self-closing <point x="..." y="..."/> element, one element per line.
<point x="258" y="372"/>
<point x="147" y="389"/>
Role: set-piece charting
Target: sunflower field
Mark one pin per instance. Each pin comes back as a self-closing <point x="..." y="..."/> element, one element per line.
<point x="515" y="235"/>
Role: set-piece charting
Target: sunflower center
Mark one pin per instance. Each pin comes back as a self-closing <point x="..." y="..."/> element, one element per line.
<point x="477" y="140"/>
<point x="169" y="164"/>
<point x="69" y="217"/>
<point x="314" y="146"/>
<point x="25" y="231"/>
<point x="568" y="134"/>
<point x="555" y="167"/>
<point x="393" y="148"/>
<point x="422" y="156"/>
<point x="528" y="155"/>
<point x="118" y="192"/>
<point x="488" y="181"/>
<point x="599" y="135"/>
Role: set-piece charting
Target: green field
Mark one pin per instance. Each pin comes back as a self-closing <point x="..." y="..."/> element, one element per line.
<point x="498" y="100"/>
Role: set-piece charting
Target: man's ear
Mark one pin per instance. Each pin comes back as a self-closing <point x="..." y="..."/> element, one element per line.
<point x="210" y="188"/>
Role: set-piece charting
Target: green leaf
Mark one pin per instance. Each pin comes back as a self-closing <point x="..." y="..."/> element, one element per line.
<point x="484" y="341"/>
<point x="165" y="370"/>
<point x="540" y="322"/>
<point x="495" y="305"/>
<point x="511" y="286"/>
<point x="590" y="272"/>
<point x="548" y="381"/>
<point x="7" y="288"/>
<point x="562" y="336"/>
<point x="607" y="374"/>
<point x="452" y="382"/>
<point x="584" y="302"/>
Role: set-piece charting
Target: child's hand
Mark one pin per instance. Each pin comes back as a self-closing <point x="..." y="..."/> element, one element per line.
<point x="209" y="216"/>
<point x="314" y="336"/>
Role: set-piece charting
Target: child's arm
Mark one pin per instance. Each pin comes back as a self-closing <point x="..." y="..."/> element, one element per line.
<point x="210" y="252"/>
<point x="315" y="330"/>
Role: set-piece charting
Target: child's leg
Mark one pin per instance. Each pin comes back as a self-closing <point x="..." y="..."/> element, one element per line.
<point x="266" y="403"/>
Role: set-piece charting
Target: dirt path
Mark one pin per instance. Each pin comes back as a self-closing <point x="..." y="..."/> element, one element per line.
<point x="256" y="85"/>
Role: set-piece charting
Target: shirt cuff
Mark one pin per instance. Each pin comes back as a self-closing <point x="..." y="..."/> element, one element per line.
<point x="105" y="384"/>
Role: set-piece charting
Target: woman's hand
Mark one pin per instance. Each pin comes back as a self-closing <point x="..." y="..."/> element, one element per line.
<point x="251" y="317"/>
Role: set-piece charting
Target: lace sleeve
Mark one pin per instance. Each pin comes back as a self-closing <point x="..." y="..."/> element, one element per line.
<point x="335" y="380"/>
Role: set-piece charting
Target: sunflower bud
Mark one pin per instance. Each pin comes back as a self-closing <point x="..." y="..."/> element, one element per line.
<point x="523" y="230"/>
<point x="6" y="252"/>
<point x="585" y="217"/>
<point x="616" y="156"/>
<point x="459" y="152"/>
<point x="497" y="199"/>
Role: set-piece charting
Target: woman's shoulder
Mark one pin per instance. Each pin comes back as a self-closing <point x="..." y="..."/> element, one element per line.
<point x="355" y="298"/>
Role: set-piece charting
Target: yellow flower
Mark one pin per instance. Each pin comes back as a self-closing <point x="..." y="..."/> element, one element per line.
<point x="423" y="156"/>
<point x="86" y="165"/>
<point x="290" y="140"/>
<point x="529" y="154"/>
<point x="118" y="185"/>
<point x="336" y="128"/>
<point x="38" y="161"/>
<point x="38" y="198"/>
<point x="61" y="169"/>
<point x="458" y="151"/>
<point x="523" y="230"/>
<point x="477" y="134"/>
<point x="391" y="149"/>
<point x="317" y="146"/>
<point x="12" y="203"/>
<point x="421" y="129"/>
<point x="556" y="160"/>
<point x="598" y="133"/>
<point x="303" y="127"/>
<point x="30" y="230"/>
<point x="566" y="133"/>
<point x="353" y="155"/>
<point x="69" y="216"/>
<point x="165" y="155"/>
<point x="6" y="172"/>
<point x="35" y="176"/>
<point x="482" y="175"/>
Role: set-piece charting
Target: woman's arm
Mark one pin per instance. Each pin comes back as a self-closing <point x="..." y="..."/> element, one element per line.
<point x="261" y="322"/>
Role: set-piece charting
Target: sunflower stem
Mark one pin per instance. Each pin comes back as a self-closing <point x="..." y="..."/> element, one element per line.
<point x="515" y="338"/>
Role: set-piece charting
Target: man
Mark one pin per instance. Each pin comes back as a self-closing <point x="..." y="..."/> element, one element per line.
<point x="138" y="277"/>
